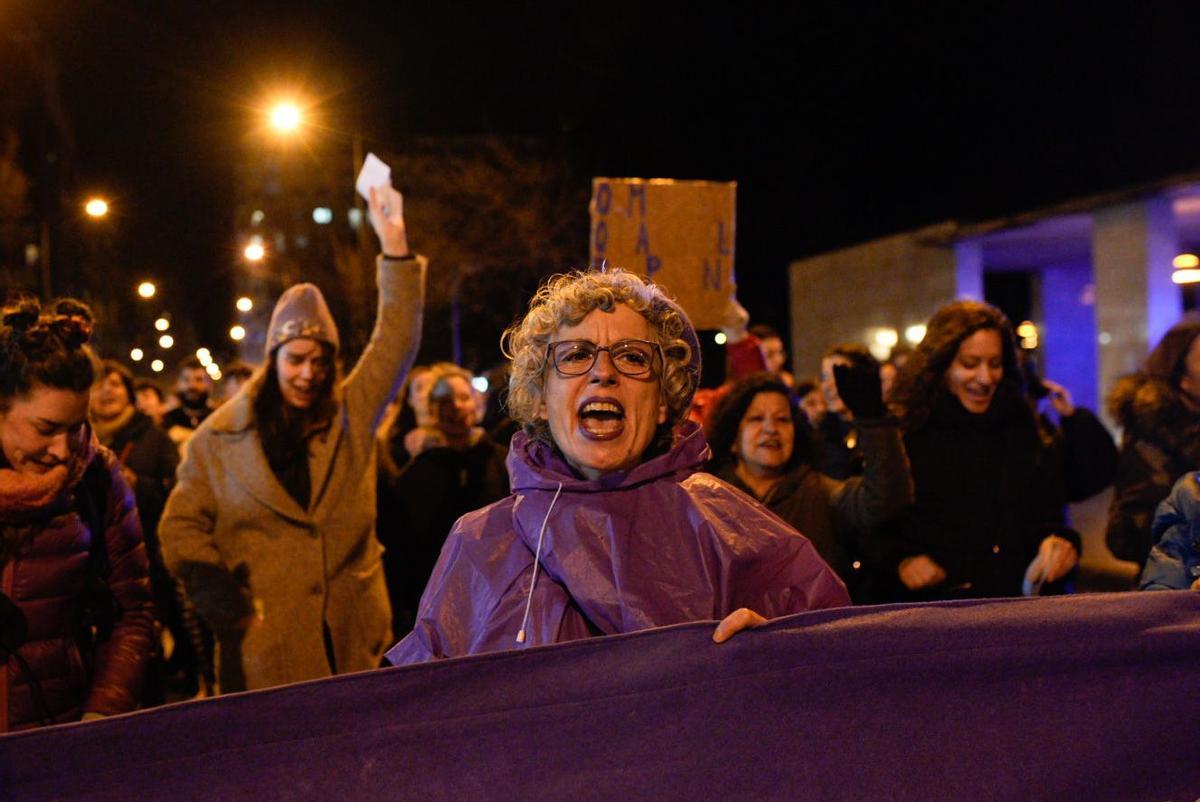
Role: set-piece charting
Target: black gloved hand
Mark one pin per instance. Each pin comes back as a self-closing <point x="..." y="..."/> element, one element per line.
<point x="860" y="389"/>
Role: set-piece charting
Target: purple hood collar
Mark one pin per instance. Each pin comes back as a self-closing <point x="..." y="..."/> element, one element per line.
<point x="534" y="465"/>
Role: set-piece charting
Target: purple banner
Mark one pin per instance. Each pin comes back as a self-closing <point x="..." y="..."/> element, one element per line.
<point x="1089" y="697"/>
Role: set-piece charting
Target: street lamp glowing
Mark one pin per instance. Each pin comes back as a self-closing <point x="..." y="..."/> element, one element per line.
<point x="166" y="341"/>
<point x="255" y="252"/>
<point x="147" y="289"/>
<point x="157" y="366"/>
<point x="136" y="354"/>
<point x="245" y="304"/>
<point x="162" y="324"/>
<point x="237" y="333"/>
<point x="96" y="207"/>
<point x="285" y="117"/>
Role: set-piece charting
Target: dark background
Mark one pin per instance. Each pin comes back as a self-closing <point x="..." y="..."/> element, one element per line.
<point x="839" y="123"/>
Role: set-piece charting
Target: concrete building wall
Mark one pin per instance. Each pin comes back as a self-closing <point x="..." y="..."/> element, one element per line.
<point x="894" y="282"/>
<point x="1132" y="248"/>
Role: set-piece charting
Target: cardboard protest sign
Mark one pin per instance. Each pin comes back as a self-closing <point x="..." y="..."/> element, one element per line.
<point x="677" y="233"/>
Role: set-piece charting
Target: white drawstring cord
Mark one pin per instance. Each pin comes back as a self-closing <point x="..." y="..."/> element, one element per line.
<point x="536" y="562"/>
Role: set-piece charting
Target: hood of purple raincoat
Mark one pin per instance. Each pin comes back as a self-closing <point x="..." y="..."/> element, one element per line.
<point x="661" y="544"/>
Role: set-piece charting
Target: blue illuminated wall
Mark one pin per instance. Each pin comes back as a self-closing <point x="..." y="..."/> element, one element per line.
<point x="1068" y="337"/>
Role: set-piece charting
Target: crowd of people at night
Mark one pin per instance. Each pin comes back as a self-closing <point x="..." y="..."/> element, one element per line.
<point x="309" y="521"/>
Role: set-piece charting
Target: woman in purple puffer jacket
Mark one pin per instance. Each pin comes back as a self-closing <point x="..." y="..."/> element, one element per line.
<point x="76" y="617"/>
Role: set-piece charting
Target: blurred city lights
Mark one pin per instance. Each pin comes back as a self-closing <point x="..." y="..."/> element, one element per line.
<point x="256" y="217"/>
<point x="96" y="207"/>
<point x="166" y="341"/>
<point x="244" y="304"/>
<point x="881" y="341"/>
<point x="213" y="370"/>
<point x="136" y="354"/>
<point x="162" y="324"/>
<point x="480" y="383"/>
<point x="1028" y="333"/>
<point x="322" y="215"/>
<point x="157" y="366"/>
<point x="354" y="217"/>
<point x="719" y="338"/>
<point x="255" y="252"/>
<point x="1185" y="261"/>
<point x="147" y="289"/>
<point x="237" y="333"/>
<point x="285" y="117"/>
<point x="915" y="333"/>
<point x="203" y="354"/>
<point x="1187" y="275"/>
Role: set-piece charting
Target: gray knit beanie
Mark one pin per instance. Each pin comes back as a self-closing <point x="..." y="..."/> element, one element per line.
<point x="301" y="312"/>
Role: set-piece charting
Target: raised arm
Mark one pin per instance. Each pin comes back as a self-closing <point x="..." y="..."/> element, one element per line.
<point x="397" y="334"/>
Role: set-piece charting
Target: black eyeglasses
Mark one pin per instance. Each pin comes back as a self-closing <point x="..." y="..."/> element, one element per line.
<point x="629" y="357"/>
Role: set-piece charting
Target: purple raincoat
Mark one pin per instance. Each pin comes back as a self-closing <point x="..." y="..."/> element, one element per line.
<point x="662" y="544"/>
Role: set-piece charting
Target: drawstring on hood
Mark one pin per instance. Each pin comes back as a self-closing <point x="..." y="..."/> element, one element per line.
<point x="537" y="556"/>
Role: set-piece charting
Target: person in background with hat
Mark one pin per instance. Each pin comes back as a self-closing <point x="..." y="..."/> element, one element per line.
<point x="271" y="526"/>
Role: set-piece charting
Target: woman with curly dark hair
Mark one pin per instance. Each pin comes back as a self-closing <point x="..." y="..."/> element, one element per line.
<point x="760" y="443"/>
<point x="76" y="620"/>
<point x="989" y="503"/>
<point x="1159" y="409"/>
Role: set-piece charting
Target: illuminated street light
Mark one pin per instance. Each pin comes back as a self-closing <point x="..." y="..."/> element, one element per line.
<point x="147" y="289"/>
<point x="255" y="252"/>
<point x="162" y="324"/>
<point x="157" y="366"/>
<point x="285" y="117"/>
<point x="136" y="354"/>
<point x="720" y="338"/>
<point x="237" y="333"/>
<point x="96" y="207"/>
<point x="166" y="341"/>
<point x="245" y="304"/>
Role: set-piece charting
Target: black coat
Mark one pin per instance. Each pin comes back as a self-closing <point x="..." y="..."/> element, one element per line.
<point x="432" y="491"/>
<point x="147" y="451"/>
<point x="988" y="491"/>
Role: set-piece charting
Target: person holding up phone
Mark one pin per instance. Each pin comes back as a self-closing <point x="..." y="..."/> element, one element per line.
<point x="271" y="526"/>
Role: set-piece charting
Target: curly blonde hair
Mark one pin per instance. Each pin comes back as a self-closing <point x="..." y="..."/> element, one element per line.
<point x="565" y="300"/>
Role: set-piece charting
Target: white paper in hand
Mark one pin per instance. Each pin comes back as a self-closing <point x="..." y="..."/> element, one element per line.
<point x="374" y="173"/>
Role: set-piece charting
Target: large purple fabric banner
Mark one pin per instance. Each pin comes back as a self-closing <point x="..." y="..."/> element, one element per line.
<point x="1091" y="697"/>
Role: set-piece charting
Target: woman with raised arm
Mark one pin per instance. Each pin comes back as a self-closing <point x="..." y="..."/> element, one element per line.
<point x="271" y="525"/>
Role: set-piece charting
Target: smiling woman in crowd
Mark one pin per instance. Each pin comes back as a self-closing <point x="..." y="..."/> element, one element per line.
<point x="611" y="527"/>
<point x="760" y="445"/>
<point x="988" y="517"/>
<point x="76" y="616"/>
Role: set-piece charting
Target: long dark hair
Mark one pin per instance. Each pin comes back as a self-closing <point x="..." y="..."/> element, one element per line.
<point x="922" y="377"/>
<point x="284" y="430"/>
<point x="1169" y="358"/>
<point x="722" y="429"/>
<point x="45" y="348"/>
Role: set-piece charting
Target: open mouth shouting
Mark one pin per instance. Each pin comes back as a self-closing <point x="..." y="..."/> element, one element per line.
<point x="601" y="418"/>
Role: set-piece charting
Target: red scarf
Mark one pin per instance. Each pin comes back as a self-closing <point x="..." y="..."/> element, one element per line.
<point x="23" y="494"/>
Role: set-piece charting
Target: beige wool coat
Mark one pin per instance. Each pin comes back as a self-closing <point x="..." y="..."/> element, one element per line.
<point x="245" y="550"/>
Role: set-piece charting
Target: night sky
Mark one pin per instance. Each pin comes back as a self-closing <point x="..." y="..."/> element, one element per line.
<point x="839" y="124"/>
